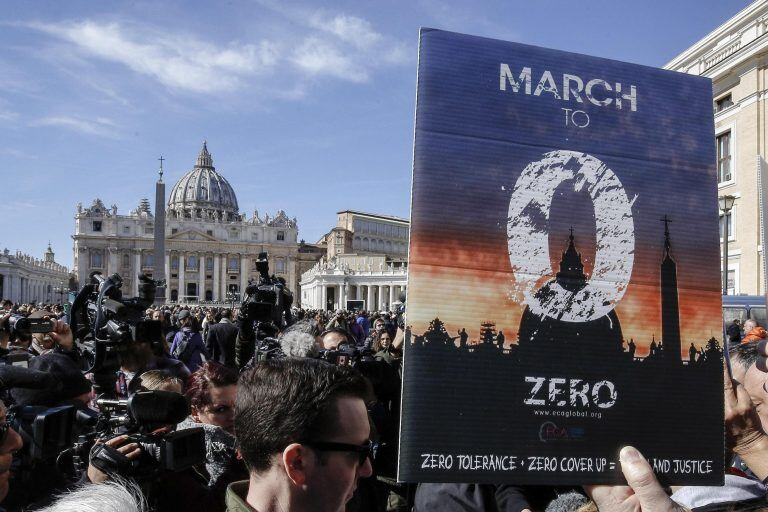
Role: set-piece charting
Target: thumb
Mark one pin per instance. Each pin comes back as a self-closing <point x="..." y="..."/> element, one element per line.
<point x="643" y="482"/>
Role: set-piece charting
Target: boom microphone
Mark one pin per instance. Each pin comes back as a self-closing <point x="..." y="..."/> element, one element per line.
<point x="158" y="407"/>
<point x="18" y="377"/>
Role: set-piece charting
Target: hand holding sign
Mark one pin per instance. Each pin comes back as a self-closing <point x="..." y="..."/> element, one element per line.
<point x="644" y="492"/>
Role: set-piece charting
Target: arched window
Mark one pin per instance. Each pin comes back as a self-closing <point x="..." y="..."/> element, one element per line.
<point x="192" y="261"/>
<point x="209" y="265"/>
<point x="175" y="261"/>
<point x="147" y="260"/>
<point x="208" y="294"/>
<point x="174" y="295"/>
<point x="280" y="265"/>
<point x="234" y="263"/>
<point x="126" y="261"/>
<point x="389" y="246"/>
<point x="366" y="244"/>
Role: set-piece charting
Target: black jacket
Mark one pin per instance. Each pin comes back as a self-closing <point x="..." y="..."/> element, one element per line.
<point x="221" y="343"/>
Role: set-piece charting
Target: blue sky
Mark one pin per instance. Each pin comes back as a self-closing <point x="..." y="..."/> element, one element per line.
<point x="306" y="107"/>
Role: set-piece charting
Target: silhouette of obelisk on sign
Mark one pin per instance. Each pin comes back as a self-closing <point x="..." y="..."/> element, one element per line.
<point x="670" y="311"/>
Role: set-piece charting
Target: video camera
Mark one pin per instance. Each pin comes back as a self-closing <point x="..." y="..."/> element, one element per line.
<point x="21" y="327"/>
<point x="105" y="323"/>
<point x="267" y="301"/>
<point x="266" y="308"/>
<point x="142" y="417"/>
<point x="347" y="355"/>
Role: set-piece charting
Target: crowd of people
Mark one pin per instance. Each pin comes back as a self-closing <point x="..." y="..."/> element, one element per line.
<point x="306" y="421"/>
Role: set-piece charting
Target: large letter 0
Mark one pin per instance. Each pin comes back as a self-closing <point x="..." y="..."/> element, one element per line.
<point x="528" y="239"/>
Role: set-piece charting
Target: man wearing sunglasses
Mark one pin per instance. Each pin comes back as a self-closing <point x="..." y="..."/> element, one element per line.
<point x="302" y="429"/>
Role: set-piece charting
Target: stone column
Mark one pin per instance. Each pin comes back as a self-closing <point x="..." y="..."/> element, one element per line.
<point x="182" y="284"/>
<point x="216" y="277"/>
<point x="201" y="278"/>
<point x="316" y="295"/>
<point x="323" y="297"/>
<point x="381" y="297"/>
<point x="347" y="294"/>
<point x="167" y="276"/>
<point x="342" y="296"/>
<point x="243" y="274"/>
<point x="112" y="260"/>
<point x="136" y="271"/>
<point x="391" y="297"/>
<point x="224" y="276"/>
<point x="369" y="304"/>
<point x="358" y="292"/>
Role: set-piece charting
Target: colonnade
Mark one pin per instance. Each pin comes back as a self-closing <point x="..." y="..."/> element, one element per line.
<point x="376" y="297"/>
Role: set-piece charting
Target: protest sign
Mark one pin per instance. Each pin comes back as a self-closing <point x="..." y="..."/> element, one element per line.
<point x="564" y="285"/>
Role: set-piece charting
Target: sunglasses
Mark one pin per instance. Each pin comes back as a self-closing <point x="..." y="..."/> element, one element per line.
<point x="363" y="451"/>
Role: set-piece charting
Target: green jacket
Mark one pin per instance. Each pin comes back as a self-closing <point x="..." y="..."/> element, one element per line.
<point x="236" y="494"/>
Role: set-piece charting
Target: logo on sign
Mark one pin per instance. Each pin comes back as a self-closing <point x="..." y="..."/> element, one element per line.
<point x="549" y="432"/>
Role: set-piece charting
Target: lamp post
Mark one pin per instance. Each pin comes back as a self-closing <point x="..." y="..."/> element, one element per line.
<point x="60" y="290"/>
<point x="726" y="204"/>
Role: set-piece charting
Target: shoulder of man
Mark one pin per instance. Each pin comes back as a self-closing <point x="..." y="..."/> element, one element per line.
<point x="236" y="496"/>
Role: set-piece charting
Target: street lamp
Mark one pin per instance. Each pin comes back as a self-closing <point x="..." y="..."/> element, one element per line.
<point x="60" y="290"/>
<point x="726" y="204"/>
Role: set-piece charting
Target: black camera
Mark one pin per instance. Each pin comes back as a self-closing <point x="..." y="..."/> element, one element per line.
<point x="142" y="417"/>
<point x="22" y="327"/>
<point x="104" y="323"/>
<point x="265" y="310"/>
<point x="267" y="301"/>
<point x="347" y="355"/>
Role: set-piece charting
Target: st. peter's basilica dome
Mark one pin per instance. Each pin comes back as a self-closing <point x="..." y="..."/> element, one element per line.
<point x="203" y="193"/>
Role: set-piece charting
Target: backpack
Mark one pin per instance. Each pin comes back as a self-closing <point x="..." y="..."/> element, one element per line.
<point x="182" y="345"/>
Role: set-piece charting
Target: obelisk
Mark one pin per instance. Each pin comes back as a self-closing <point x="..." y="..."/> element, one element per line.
<point x="159" y="250"/>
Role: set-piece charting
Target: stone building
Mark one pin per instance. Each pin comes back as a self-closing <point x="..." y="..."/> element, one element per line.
<point x="735" y="57"/>
<point x="366" y="262"/>
<point x="26" y="279"/>
<point x="210" y="246"/>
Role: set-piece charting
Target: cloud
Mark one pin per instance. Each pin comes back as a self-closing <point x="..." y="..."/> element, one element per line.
<point x="317" y="57"/>
<point x="350" y="29"/>
<point x="313" y="44"/>
<point x="179" y="62"/>
<point x="100" y="126"/>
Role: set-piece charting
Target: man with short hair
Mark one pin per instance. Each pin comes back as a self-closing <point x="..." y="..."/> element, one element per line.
<point x="302" y="429"/>
<point x="330" y="339"/>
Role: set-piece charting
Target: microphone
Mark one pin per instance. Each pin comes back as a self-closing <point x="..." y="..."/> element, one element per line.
<point x="158" y="407"/>
<point x="18" y="377"/>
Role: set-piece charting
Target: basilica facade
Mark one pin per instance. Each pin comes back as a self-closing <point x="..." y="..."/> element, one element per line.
<point x="210" y="246"/>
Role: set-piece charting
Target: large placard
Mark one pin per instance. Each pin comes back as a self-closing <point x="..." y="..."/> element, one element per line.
<point x="563" y="287"/>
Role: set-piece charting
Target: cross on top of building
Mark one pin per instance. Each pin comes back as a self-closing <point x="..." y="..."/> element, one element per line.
<point x="161" y="167"/>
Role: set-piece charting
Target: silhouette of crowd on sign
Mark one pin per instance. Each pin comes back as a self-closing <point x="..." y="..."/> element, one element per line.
<point x="600" y="339"/>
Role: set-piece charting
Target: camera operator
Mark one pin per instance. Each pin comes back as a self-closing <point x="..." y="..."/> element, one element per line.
<point x="331" y="338"/>
<point x="143" y="355"/>
<point x="40" y="480"/>
<point x="59" y="339"/>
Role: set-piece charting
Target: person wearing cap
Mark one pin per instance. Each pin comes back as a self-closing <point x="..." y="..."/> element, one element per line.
<point x="188" y="346"/>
